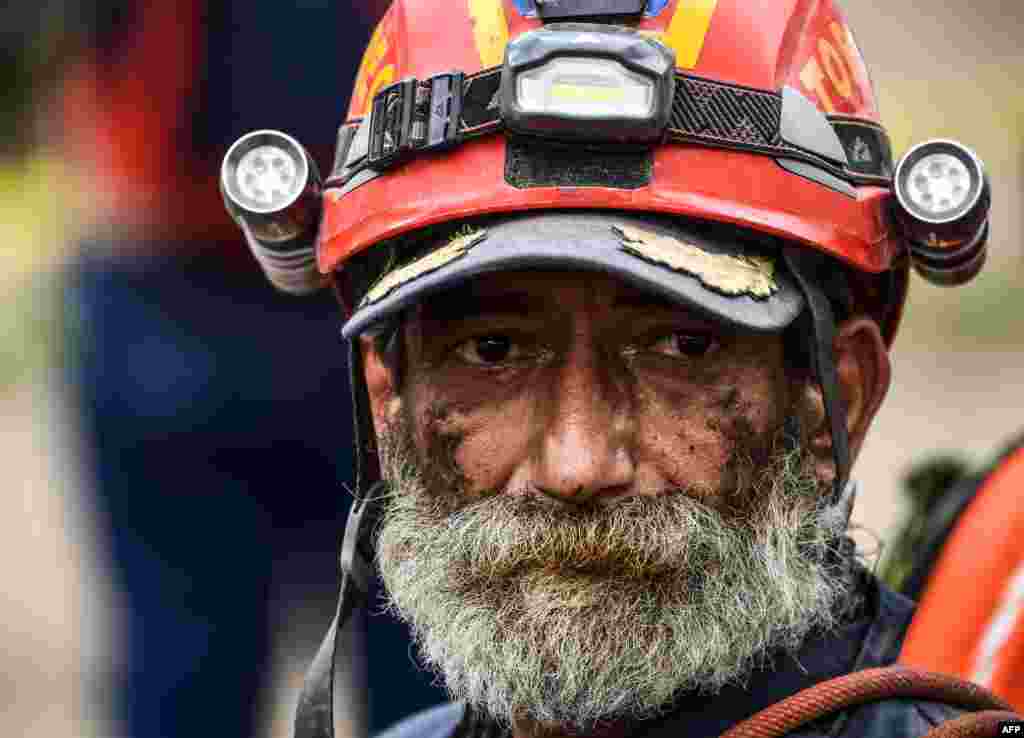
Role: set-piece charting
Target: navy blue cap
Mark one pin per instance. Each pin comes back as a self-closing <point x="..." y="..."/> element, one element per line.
<point x="732" y="276"/>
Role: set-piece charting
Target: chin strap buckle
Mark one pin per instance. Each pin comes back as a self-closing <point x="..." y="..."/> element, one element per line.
<point x="353" y="559"/>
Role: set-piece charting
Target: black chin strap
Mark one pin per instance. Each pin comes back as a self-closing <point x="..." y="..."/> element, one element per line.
<point x="809" y="270"/>
<point x="323" y="703"/>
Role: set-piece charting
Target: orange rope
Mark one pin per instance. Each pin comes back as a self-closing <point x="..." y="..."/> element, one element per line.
<point x="859" y="688"/>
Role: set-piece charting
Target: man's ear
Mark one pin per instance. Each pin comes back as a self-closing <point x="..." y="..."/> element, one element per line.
<point x="864" y="373"/>
<point x="385" y="401"/>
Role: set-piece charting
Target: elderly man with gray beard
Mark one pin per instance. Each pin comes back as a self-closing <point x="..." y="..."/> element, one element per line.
<point x="602" y="502"/>
<point x="620" y="280"/>
<point x="607" y="511"/>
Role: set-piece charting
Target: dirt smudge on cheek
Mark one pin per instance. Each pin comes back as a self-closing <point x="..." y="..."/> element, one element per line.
<point x="449" y="481"/>
<point x="749" y="455"/>
<point x="728" y="399"/>
<point x="436" y="443"/>
<point x="749" y="450"/>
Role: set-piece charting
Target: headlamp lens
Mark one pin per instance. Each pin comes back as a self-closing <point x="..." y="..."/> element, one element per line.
<point x="585" y="88"/>
<point x="272" y="188"/>
<point x="267" y="176"/>
<point x="942" y="203"/>
<point x="939" y="183"/>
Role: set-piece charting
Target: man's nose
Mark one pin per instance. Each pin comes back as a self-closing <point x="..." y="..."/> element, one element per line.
<point x="585" y="451"/>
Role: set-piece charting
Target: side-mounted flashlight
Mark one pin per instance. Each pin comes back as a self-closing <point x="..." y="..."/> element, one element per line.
<point x="272" y="188"/>
<point x="942" y="203"/>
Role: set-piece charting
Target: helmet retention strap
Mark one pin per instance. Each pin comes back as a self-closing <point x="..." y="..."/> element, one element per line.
<point x="805" y="266"/>
<point x="323" y="706"/>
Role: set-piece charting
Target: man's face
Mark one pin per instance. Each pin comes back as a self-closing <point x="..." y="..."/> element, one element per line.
<point x="599" y="498"/>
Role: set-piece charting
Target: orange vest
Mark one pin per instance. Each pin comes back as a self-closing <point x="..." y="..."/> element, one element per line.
<point x="970" y="621"/>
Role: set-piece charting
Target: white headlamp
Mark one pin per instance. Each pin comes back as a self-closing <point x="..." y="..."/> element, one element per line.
<point x="576" y="81"/>
<point x="581" y="88"/>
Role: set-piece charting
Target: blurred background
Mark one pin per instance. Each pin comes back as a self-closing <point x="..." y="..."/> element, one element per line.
<point x="941" y="68"/>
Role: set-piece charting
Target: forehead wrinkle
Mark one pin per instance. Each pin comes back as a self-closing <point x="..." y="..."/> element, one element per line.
<point x="467" y="303"/>
<point x="518" y="293"/>
<point x="528" y="293"/>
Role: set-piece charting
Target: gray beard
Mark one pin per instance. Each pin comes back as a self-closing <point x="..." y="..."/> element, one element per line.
<point x="580" y="616"/>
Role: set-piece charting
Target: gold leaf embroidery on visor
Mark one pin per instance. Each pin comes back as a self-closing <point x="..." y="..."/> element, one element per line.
<point x="436" y="259"/>
<point x="728" y="274"/>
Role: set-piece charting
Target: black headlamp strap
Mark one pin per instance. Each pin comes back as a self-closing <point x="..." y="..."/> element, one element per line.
<point x="804" y="265"/>
<point x="323" y="702"/>
<point x="415" y="116"/>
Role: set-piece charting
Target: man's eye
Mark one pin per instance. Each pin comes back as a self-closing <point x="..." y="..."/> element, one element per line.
<point x="488" y="350"/>
<point x="682" y="344"/>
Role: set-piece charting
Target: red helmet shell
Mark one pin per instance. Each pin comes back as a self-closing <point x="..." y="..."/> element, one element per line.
<point x="789" y="42"/>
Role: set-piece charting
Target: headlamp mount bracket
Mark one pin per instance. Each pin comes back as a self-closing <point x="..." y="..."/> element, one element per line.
<point x="560" y="10"/>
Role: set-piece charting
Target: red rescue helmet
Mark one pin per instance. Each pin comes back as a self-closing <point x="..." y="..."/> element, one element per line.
<point x="772" y="125"/>
<point x="762" y="118"/>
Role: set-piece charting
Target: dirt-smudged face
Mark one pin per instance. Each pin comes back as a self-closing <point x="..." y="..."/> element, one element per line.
<point x="599" y="499"/>
<point x="577" y="386"/>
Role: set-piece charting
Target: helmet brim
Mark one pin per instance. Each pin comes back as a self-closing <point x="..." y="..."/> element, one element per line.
<point x="732" y="276"/>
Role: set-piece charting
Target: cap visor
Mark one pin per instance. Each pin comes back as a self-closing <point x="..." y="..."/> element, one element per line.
<point x="730" y="279"/>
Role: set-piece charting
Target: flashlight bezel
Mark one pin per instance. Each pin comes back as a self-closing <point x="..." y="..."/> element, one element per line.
<point x="961" y="153"/>
<point x="282" y="238"/>
<point x="238" y="201"/>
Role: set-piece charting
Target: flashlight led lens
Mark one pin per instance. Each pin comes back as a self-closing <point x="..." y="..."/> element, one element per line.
<point x="942" y="204"/>
<point x="937" y="183"/>
<point x="943" y="183"/>
<point x="267" y="176"/>
<point x="586" y="88"/>
<point x="265" y="172"/>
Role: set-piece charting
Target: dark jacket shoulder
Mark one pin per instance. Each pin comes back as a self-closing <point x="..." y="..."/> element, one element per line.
<point x="435" y="722"/>
<point x="896" y="718"/>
